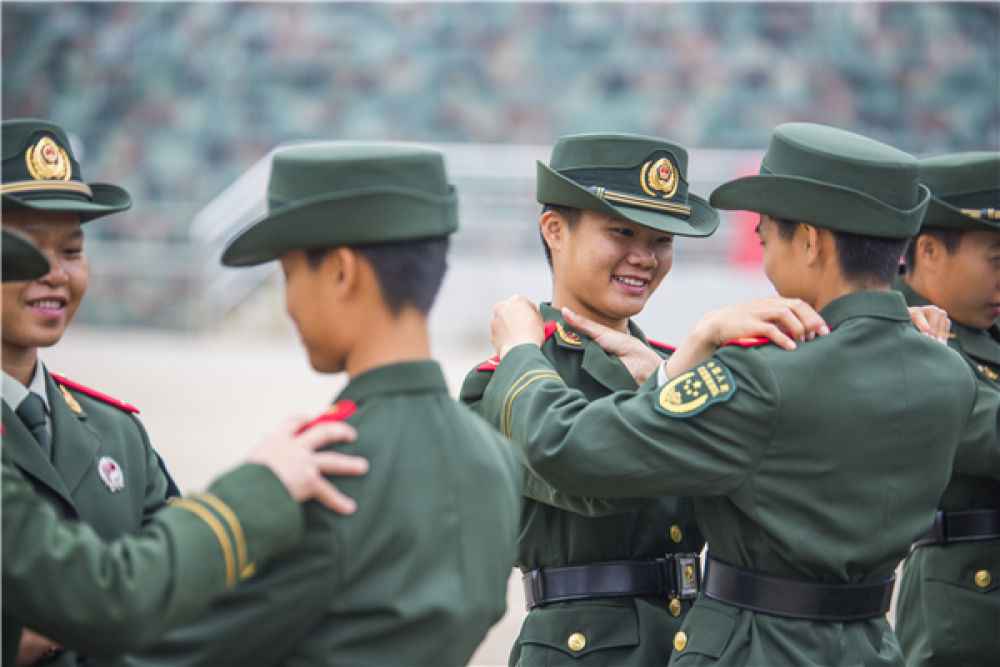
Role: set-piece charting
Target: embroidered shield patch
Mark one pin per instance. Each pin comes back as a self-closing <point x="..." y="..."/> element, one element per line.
<point x="111" y="474"/>
<point x="691" y="392"/>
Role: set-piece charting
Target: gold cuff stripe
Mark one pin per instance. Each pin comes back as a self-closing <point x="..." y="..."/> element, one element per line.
<point x="982" y="213"/>
<point x="235" y="526"/>
<point x="528" y="379"/>
<point x="220" y="534"/>
<point x="36" y="186"/>
<point x="507" y="398"/>
<point x="641" y="202"/>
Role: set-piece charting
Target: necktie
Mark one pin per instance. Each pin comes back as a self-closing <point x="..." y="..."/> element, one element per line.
<point x="32" y="413"/>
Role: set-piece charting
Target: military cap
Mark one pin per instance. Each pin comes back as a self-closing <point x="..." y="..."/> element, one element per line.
<point x="638" y="178"/>
<point x="41" y="173"/>
<point x="21" y="259"/>
<point x="832" y="179"/>
<point x="965" y="189"/>
<point x="348" y="193"/>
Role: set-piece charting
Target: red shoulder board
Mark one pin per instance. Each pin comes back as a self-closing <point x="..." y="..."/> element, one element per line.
<point x="491" y="364"/>
<point x="338" y="412"/>
<point x="550" y="329"/>
<point x="750" y="341"/>
<point x="662" y="346"/>
<point x="93" y="393"/>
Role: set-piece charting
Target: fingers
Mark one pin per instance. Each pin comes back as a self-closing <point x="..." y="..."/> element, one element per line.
<point x="789" y="322"/>
<point x="293" y="423"/>
<point x="920" y="321"/>
<point x="340" y="465"/>
<point x="327" y="433"/>
<point x="327" y="494"/>
<point x="584" y="325"/>
<point x="814" y="324"/>
<point x="779" y="337"/>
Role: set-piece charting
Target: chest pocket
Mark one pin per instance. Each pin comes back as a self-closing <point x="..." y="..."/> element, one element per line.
<point x="562" y="634"/>
<point x="706" y="633"/>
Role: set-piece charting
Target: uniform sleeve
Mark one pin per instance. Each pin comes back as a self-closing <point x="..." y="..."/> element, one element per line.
<point x="703" y="433"/>
<point x="533" y="486"/>
<point x="159" y="486"/>
<point x="978" y="451"/>
<point x="61" y="579"/>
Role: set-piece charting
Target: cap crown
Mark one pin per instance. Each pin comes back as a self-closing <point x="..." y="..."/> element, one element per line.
<point x="37" y="151"/>
<point x="964" y="180"/>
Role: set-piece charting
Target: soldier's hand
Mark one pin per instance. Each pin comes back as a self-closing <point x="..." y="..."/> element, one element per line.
<point x="516" y="321"/>
<point x="639" y="360"/>
<point x="784" y="321"/>
<point x="35" y="648"/>
<point x="297" y="461"/>
<point x="932" y="321"/>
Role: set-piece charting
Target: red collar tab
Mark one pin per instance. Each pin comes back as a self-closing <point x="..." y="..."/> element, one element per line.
<point x="662" y="346"/>
<point x="749" y="341"/>
<point x="550" y="329"/>
<point x="93" y="393"/>
<point x="338" y="412"/>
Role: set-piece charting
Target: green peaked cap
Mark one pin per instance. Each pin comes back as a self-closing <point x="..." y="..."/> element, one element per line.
<point x="21" y="259"/>
<point x="41" y="173"/>
<point x="638" y="178"/>
<point x="966" y="190"/>
<point x="348" y="193"/>
<point x="833" y="179"/>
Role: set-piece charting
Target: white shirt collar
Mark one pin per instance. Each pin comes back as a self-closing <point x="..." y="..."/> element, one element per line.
<point x="14" y="392"/>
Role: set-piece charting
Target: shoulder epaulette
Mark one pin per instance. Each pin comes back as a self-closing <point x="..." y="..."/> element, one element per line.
<point x="749" y="341"/>
<point x="338" y="412"/>
<point x="491" y="364"/>
<point x="93" y="393"/>
<point x="660" y="345"/>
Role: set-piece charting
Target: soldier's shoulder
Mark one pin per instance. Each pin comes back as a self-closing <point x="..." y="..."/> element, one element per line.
<point x="77" y="395"/>
<point x="476" y="380"/>
<point x="338" y="412"/>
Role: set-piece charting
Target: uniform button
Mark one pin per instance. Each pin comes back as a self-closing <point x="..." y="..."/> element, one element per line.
<point x="674" y="607"/>
<point x="676" y="534"/>
<point x="680" y="641"/>
<point x="576" y="642"/>
<point x="983" y="578"/>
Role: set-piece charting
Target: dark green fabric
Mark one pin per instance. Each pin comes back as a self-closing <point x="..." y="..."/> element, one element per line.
<point x="833" y="179"/>
<point x="824" y="465"/>
<point x="19" y="135"/>
<point x="415" y="577"/>
<point x="963" y="181"/>
<point x="558" y="530"/>
<point x="942" y="617"/>
<point x="21" y="259"/>
<point x="582" y="164"/>
<point x="63" y="580"/>
<point x="348" y="193"/>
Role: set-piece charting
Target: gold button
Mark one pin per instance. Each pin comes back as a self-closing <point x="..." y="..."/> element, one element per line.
<point x="576" y="642"/>
<point x="676" y="534"/>
<point x="680" y="641"/>
<point x="983" y="578"/>
<point x="674" y="607"/>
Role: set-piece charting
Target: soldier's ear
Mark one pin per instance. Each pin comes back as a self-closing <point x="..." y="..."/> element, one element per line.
<point x="553" y="228"/>
<point x="814" y="242"/>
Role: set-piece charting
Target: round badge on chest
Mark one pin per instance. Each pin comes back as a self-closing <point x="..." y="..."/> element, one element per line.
<point x="111" y="474"/>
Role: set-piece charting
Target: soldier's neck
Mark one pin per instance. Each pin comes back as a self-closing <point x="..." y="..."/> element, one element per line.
<point x="399" y="339"/>
<point x="562" y="298"/>
<point x="830" y="290"/>
<point x="19" y="362"/>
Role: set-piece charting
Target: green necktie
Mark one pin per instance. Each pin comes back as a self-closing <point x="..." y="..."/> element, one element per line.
<point x="32" y="413"/>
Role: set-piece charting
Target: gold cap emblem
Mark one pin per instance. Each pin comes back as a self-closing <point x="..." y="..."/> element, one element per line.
<point x="47" y="161"/>
<point x="660" y="178"/>
<point x="576" y="642"/>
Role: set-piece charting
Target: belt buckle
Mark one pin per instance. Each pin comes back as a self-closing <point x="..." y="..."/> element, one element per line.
<point x="688" y="575"/>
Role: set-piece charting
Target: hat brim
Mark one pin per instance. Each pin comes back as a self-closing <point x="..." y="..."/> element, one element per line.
<point x="554" y="188"/>
<point x="821" y="204"/>
<point x="343" y="219"/>
<point x="942" y="215"/>
<point x="21" y="259"/>
<point x="106" y="199"/>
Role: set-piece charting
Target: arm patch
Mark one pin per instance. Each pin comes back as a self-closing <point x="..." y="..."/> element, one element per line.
<point x="693" y="391"/>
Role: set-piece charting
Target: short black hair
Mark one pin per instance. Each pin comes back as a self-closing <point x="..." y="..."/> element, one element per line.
<point x="949" y="238"/>
<point x="409" y="273"/>
<point x="569" y="214"/>
<point x="865" y="260"/>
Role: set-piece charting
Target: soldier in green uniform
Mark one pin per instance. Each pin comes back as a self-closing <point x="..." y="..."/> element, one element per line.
<point x="604" y="581"/>
<point x="813" y="463"/>
<point x="949" y="604"/>
<point x="419" y="574"/>
<point x="84" y="451"/>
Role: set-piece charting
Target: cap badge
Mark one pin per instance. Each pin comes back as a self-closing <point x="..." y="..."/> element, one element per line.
<point x="660" y="177"/>
<point x="47" y="161"/>
<point x="111" y="474"/>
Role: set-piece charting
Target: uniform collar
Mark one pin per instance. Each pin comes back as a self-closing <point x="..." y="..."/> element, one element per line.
<point x="886" y="305"/>
<point x="400" y="378"/>
<point x="14" y="392"/>
<point x="550" y="314"/>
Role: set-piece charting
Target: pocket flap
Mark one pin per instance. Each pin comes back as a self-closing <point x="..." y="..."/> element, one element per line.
<point x="579" y="629"/>
<point x="707" y="629"/>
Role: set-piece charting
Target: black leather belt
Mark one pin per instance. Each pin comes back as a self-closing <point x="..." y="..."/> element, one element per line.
<point x="676" y="575"/>
<point x="793" y="598"/>
<point x="966" y="526"/>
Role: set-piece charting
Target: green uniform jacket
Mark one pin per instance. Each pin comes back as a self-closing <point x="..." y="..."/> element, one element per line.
<point x="63" y="580"/>
<point x="821" y="464"/>
<point x="415" y="577"/>
<point x="85" y="431"/>
<point x="943" y="616"/>
<point x="559" y="531"/>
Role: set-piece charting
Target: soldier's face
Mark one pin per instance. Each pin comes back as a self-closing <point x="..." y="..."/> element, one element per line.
<point x="969" y="279"/>
<point x="314" y="298"/>
<point x="783" y="264"/>
<point x="37" y="312"/>
<point x="612" y="266"/>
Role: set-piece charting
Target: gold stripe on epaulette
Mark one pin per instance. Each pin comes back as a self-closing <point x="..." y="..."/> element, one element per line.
<point x="535" y="376"/>
<point x="234" y="525"/>
<point x="220" y="534"/>
<point x="35" y="186"/>
<point x="982" y="213"/>
<point x="641" y="202"/>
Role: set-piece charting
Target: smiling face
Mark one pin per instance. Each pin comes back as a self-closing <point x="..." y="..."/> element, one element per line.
<point x="36" y="313"/>
<point x="606" y="268"/>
